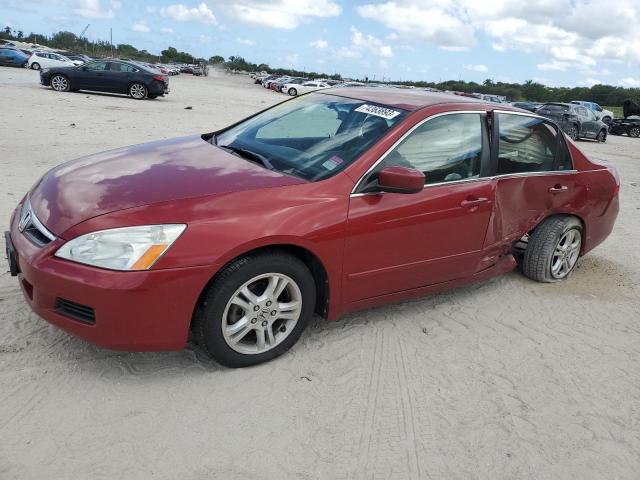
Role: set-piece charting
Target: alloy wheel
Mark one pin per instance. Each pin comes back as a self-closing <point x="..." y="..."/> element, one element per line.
<point x="602" y="136"/>
<point x="573" y="132"/>
<point x="566" y="253"/>
<point x="138" y="91"/>
<point x="59" y="83"/>
<point x="261" y="313"/>
<point x="634" y="132"/>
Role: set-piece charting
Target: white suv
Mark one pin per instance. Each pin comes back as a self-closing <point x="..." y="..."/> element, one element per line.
<point x="46" y="59"/>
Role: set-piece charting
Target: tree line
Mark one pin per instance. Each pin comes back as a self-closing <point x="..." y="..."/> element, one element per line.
<point x="607" y="95"/>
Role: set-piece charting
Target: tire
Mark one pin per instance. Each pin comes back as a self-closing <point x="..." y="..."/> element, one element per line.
<point x="293" y="92"/>
<point x="602" y="136"/>
<point x="138" y="91"/>
<point x="606" y="120"/>
<point x="214" y="331"/>
<point x="35" y="66"/>
<point x="634" y="132"/>
<point x="573" y="132"/>
<point x="60" y="83"/>
<point x="546" y="249"/>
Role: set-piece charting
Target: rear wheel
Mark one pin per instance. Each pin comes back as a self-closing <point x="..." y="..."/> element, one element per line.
<point x="138" y="91"/>
<point x="35" y="66"/>
<point x="572" y="131"/>
<point x="553" y="249"/>
<point x="602" y="136"/>
<point x="634" y="132"/>
<point x="256" y="309"/>
<point x="60" y="83"/>
<point x="293" y="92"/>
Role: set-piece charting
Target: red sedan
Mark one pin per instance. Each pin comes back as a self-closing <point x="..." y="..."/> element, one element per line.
<point x="331" y="202"/>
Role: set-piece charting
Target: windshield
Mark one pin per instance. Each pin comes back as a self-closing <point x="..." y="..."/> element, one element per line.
<point x="313" y="136"/>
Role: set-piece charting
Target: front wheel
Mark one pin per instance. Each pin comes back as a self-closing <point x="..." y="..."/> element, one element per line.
<point x="60" y="83"/>
<point x="35" y="66"/>
<point x="293" y="92"/>
<point x="255" y="309"/>
<point x="553" y="249"/>
<point x="138" y="91"/>
<point x="602" y="136"/>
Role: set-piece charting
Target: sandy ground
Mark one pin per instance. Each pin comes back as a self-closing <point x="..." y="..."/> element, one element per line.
<point x="508" y="379"/>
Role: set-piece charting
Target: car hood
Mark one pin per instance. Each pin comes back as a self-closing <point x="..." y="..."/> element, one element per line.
<point x="141" y="175"/>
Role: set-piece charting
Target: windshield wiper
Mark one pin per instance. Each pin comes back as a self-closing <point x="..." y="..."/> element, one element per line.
<point x="249" y="155"/>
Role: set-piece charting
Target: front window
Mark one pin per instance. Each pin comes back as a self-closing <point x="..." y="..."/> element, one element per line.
<point x="313" y="137"/>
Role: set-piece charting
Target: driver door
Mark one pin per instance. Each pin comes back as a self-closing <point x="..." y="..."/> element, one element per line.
<point x="398" y="242"/>
<point x="91" y="76"/>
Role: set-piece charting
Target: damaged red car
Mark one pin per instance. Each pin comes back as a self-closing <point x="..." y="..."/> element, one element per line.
<point x="335" y="201"/>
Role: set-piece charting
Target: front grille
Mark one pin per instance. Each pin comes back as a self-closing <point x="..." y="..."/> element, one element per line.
<point x="76" y="311"/>
<point x="32" y="228"/>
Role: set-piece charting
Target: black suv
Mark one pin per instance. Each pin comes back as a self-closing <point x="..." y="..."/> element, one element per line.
<point x="108" y="75"/>
<point x="576" y="121"/>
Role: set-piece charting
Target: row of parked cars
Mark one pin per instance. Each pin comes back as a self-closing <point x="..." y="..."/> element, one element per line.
<point x="298" y="85"/>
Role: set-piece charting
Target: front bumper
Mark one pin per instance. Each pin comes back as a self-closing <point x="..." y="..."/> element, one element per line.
<point x="134" y="311"/>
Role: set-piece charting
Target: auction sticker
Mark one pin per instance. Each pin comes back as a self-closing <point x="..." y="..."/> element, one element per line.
<point x="383" y="112"/>
<point x="332" y="163"/>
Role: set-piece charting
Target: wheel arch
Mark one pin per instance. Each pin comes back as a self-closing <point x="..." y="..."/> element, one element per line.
<point x="308" y="257"/>
<point x="564" y="214"/>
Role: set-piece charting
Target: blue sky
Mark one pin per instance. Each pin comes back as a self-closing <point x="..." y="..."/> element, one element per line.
<point x="556" y="42"/>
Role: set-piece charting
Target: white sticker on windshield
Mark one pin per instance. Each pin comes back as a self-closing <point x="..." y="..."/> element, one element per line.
<point x="383" y="112"/>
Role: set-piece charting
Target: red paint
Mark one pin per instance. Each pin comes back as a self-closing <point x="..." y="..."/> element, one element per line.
<point x="401" y="179"/>
<point x="375" y="249"/>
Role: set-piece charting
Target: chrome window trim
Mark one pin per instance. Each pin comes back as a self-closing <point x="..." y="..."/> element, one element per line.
<point x="405" y="135"/>
<point x="464" y="180"/>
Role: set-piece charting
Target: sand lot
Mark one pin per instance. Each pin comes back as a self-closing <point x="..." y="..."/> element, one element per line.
<point x="507" y="379"/>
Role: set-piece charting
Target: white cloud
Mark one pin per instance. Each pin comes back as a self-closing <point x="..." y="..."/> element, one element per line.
<point x="476" y="68"/>
<point x="348" y="52"/>
<point x="140" y="26"/>
<point x="166" y="30"/>
<point x="319" y="44"/>
<point x="630" y="82"/>
<point x="245" y="41"/>
<point x="179" y="12"/>
<point x="286" y="14"/>
<point x="96" y="8"/>
<point x="369" y="43"/>
<point x="579" y="34"/>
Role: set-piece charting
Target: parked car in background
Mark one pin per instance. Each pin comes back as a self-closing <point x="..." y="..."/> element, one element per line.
<point x="531" y="106"/>
<point x="41" y="60"/>
<point x="294" y="89"/>
<point x="294" y="81"/>
<point x="80" y="58"/>
<point x="198" y="71"/>
<point x="605" y="115"/>
<point x="12" y="57"/>
<point x="329" y="203"/>
<point x="577" y="121"/>
<point x="630" y="124"/>
<point x="108" y="75"/>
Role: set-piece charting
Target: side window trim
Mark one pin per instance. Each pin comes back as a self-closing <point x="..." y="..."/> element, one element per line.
<point x="485" y="157"/>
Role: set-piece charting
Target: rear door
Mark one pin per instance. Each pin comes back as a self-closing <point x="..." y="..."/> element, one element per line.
<point x="398" y="242"/>
<point x="118" y="76"/>
<point x="534" y="176"/>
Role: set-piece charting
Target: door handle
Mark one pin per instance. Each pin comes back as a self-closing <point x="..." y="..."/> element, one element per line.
<point x="558" y="188"/>
<point x="472" y="202"/>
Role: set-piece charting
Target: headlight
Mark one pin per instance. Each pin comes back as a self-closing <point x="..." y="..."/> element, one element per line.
<point x="130" y="248"/>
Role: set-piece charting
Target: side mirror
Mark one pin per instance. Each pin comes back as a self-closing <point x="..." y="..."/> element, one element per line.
<point x="400" y="180"/>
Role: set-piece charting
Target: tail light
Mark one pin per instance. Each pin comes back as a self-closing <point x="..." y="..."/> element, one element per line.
<point x="159" y="78"/>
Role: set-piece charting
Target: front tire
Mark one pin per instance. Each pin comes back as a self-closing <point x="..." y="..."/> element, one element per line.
<point x="553" y="249"/>
<point x="35" y="66"/>
<point x="256" y="309"/>
<point x="602" y="136"/>
<point x="60" y="83"/>
<point x="138" y="91"/>
<point x="293" y="92"/>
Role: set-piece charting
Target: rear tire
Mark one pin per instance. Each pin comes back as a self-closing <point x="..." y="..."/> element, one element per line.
<point x="573" y="132"/>
<point x="35" y="66"/>
<point x="240" y="329"/>
<point x="137" y="91"/>
<point x="60" y="83"/>
<point x="634" y="132"/>
<point x="553" y="250"/>
<point x="293" y="92"/>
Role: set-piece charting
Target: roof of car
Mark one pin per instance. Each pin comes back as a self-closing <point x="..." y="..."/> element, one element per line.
<point x="406" y="99"/>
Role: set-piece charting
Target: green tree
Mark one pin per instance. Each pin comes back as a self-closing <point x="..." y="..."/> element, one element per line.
<point x="216" y="59"/>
